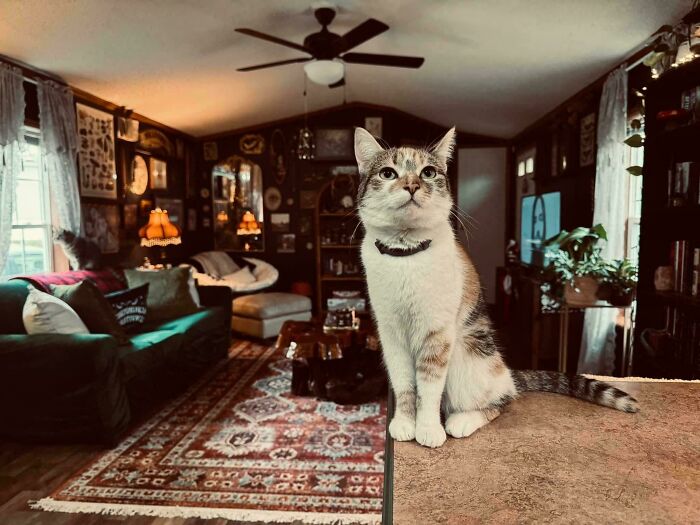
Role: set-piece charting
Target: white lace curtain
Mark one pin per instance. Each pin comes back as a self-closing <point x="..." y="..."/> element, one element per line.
<point x="11" y="141"/>
<point x="597" y="354"/>
<point x="59" y="146"/>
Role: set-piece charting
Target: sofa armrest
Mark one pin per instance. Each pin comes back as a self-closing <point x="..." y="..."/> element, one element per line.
<point x="215" y="296"/>
<point x="53" y="384"/>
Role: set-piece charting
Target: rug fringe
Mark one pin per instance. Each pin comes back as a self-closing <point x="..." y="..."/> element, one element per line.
<point x="638" y="379"/>
<point x="244" y="515"/>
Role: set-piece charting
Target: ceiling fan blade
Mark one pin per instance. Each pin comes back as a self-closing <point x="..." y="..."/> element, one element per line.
<point x="340" y="83"/>
<point x="273" y="64"/>
<point x="273" y="39"/>
<point x="366" y="30"/>
<point x="383" y="60"/>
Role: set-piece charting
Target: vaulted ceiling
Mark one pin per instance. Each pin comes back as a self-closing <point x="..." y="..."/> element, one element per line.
<point x="491" y="67"/>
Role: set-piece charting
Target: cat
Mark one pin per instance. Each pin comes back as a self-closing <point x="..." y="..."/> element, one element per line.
<point x="438" y="343"/>
<point x="82" y="253"/>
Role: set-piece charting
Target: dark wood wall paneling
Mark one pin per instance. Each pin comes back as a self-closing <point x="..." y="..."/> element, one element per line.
<point x="309" y="175"/>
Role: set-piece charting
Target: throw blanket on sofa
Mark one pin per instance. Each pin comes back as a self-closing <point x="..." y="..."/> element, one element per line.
<point x="216" y="264"/>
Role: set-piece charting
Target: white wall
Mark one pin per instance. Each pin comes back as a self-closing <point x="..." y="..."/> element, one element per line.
<point x="482" y="194"/>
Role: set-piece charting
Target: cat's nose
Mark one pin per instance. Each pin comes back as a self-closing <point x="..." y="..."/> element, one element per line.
<point x="411" y="186"/>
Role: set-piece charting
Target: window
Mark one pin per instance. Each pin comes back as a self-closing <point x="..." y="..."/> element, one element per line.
<point x="31" y="248"/>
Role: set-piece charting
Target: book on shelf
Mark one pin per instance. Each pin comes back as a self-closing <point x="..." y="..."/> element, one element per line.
<point x="684" y="184"/>
<point x="685" y="259"/>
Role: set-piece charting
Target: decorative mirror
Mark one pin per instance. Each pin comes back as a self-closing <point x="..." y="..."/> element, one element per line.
<point x="237" y="190"/>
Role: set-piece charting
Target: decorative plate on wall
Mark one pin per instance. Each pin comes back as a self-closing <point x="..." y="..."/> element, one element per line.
<point x="252" y="144"/>
<point x="139" y="175"/>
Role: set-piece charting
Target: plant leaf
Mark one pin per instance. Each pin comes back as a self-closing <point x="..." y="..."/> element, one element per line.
<point x="635" y="170"/>
<point x="634" y="141"/>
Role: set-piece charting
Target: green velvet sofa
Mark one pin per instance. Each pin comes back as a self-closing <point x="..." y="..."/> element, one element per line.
<point x="89" y="388"/>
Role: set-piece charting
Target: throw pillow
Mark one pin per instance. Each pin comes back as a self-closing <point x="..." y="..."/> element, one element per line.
<point x="168" y="292"/>
<point x="243" y="263"/>
<point x="45" y="314"/>
<point x="129" y="306"/>
<point x="240" y="278"/>
<point x="92" y="307"/>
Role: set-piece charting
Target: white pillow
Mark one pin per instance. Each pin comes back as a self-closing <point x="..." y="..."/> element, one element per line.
<point x="241" y="277"/>
<point x="45" y="314"/>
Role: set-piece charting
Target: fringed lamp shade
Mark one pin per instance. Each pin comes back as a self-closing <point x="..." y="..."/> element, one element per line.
<point x="248" y="225"/>
<point x="159" y="231"/>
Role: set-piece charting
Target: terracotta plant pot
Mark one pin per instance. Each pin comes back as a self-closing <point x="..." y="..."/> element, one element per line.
<point x="582" y="292"/>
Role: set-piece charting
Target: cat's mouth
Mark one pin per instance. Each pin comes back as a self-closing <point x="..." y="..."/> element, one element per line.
<point x="408" y="203"/>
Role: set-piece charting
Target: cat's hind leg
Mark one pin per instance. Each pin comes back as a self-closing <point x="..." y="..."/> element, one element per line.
<point x="463" y="424"/>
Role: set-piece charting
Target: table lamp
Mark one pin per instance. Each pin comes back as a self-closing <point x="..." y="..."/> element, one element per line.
<point x="248" y="227"/>
<point x="159" y="231"/>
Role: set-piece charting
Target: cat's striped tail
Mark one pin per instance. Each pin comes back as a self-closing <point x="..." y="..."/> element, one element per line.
<point x="577" y="386"/>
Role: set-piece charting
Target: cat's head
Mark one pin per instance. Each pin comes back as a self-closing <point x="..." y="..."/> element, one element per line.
<point x="403" y="188"/>
<point x="60" y="235"/>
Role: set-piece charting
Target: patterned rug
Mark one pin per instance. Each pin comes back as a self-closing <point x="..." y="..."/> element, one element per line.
<point x="238" y="445"/>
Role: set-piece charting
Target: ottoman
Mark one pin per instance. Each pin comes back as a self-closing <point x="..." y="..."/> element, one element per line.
<point x="262" y="315"/>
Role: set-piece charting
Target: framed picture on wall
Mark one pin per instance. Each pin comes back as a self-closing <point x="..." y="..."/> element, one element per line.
<point x="279" y="222"/>
<point x="587" y="141"/>
<point x="286" y="243"/>
<point x="159" y="173"/>
<point x="174" y="207"/>
<point x="102" y="226"/>
<point x="96" y="153"/>
<point x="334" y="144"/>
<point x="307" y="199"/>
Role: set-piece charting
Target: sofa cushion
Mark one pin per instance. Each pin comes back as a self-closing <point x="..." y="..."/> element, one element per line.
<point x="148" y="351"/>
<point x="168" y="292"/>
<point x="269" y="305"/>
<point x="92" y="307"/>
<point x="45" y="314"/>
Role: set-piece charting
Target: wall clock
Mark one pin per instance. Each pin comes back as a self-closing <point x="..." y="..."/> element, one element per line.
<point x="139" y="175"/>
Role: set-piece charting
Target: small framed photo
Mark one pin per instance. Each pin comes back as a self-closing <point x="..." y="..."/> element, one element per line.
<point x="286" y="243"/>
<point x="174" y="207"/>
<point x="344" y="170"/>
<point x="131" y="216"/>
<point x="374" y="126"/>
<point x="191" y="219"/>
<point x="159" y="174"/>
<point x="307" y="200"/>
<point x="279" y="222"/>
<point x="305" y="225"/>
<point x="334" y="144"/>
<point x="210" y="151"/>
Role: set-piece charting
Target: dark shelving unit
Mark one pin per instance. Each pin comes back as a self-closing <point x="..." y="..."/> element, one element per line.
<point x="661" y="225"/>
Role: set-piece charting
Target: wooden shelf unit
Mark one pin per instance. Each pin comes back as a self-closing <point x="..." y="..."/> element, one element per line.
<point x="662" y="224"/>
<point x="327" y="282"/>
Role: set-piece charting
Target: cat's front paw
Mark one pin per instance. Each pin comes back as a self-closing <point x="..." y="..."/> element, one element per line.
<point x="430" y="435"/>
<point x="402" y="429"/>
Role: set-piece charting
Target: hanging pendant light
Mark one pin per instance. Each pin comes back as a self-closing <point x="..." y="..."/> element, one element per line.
<point x="305" y="138"/>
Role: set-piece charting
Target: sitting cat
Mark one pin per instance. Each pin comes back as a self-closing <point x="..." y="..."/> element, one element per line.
<point x="82" y="253"/>
<point x="437" y="340"/>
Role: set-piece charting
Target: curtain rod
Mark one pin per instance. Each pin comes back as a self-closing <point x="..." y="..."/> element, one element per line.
<point x="31" y="73"/>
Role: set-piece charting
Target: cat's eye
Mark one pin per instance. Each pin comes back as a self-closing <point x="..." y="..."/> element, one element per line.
<point x="428" y="172"/>
<point x="388" y="174"/>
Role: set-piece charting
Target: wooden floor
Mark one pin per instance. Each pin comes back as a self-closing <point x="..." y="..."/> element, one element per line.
<point x="30" y="472"/>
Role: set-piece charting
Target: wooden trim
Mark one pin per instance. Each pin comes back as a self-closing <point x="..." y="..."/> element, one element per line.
<point x="388" y="490"/>
<point x="462" y="137"/>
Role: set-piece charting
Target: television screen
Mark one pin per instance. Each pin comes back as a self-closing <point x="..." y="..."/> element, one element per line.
<point x="539" y="220"/>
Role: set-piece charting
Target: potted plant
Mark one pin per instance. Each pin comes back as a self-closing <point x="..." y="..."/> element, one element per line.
<point x="575" y="259"/>
<point x="619" y="282"/>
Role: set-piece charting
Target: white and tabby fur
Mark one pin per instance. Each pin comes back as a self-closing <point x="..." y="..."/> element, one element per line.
<point x="437" y="340"/>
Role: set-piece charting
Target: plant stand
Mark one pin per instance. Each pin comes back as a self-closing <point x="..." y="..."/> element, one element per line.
<point x="626" y="363"/>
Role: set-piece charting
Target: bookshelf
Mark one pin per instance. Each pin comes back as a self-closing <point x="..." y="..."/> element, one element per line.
<point x="338" y="237"/>
<point x="670" y="229"/>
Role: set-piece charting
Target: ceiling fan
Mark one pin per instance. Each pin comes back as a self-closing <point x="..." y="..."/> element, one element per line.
<point x="329" y="50"/>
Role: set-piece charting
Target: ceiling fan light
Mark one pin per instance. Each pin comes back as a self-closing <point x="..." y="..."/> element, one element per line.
<point x="324" y="72"/>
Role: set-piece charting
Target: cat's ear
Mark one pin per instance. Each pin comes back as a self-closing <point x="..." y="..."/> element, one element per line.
<point x="366" y="148"/>
<point x="445" y="146"/>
